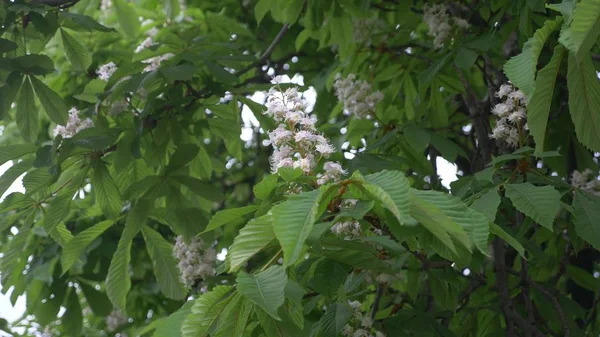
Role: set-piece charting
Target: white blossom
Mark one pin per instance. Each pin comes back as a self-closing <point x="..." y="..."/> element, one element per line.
<point x="357" y="96"/>
<point x="511" y="114"/>
<point x="73" y="126"/>
<point x="106" y="71"/>
<point x="147" y="43"/>
<point x="196" y="261"/>
<point x="105" y="5"/>
<point x="333" y="172"/>
<point x="114" y="320"/>
<point x="154" y="62"/>
<point x="347" y="229"/>
<point x="586" y="180"/>
<point x="440" y="23"/>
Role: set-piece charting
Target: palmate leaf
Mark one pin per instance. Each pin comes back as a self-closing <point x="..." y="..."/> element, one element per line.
<point x="488" y="204"/>
<point x="171" y="326"/>
<point x="265" y="289"/>
<point x="72" y="320"/>
<point x="128" y="19"/>
<point x="164" y="264"/>
<point x="205" y="312"/>
<point x="539" y="203"/>
<point x="11" y="152"/>
<point x="293" y="220"/>
<point x="76" y="246"/>
<point x="334" y="319"/>
<point x="585" y="26"/>
<point x="254" y="237"/>
<point x="474" y="223"/>
<point x="391" y="189"/>
<point x="587" y="217"/>
<point x="584" y="101"/>
<point x="538" y="108"/>
<point x="15" y="249"/>
<point x="230" y="215"/>
<point x="9" y="176"/>
<point x="520" y="69"/>
<point x="118" y="281"/>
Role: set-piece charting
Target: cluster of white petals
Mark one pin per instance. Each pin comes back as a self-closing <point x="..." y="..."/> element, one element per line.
<point x="74" y="125"/>
<point x="106" y="71"/>
<point x="347" y="229"/>
<point x="511" y="114"/>
<point x="440" y="23"/>
<point x="147" y="43"/>
<point x="357" y="96"/>
<point x="295" y="141"/>
<point x="196" y="261"/>
<point x="114" y="320"/>
<point x="586" y="180"/>
<point x="333" y="171"/>
<point x="154" y="62"/>
<point x="105" y="5"/>
<point x="364" y="322"/>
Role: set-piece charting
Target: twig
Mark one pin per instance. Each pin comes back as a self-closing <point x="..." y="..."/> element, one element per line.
<point x="502" y="285"/>
<point x="267" y="52"/>
<point x="559" y="310"/>
<point x="375" y="306"/>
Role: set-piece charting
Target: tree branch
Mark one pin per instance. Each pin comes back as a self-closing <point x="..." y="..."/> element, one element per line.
<point x="267" y="52"/>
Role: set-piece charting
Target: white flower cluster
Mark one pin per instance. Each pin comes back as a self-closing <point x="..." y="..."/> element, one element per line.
<point x="511" y="115"/>
<point x="196" y="262"/>
<point x="114" y="320"/>
<point x="366" y="324"/>
<point x="106" y="71"/>
<point x="74" y="125"/>
<point x="357" y="96"/>
<point x="105" y="5"/>
<point x="440" y="23"/>
<point x="586" y="180"/>
<point x="154" y="62"/>
<point x="347" y="229"/>
<point x="295" y="141"/>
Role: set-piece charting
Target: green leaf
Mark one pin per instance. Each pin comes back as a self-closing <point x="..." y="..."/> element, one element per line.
<point x="9" y="176"/>
<point x="229" y="131"/>
<point x="98" y="301"/>
<point x="205" y="312"/>
<point x="254" y="237"/>
<point x="584" y="101"/>
<point x="128" y="19"/>
<point x="184" y="154"/>
<point x="52" y="103"/>
<point x="265" y="289"/>
<point x="74" y="21"/>
<point x="77" y="53"/>
<point x="541" y="204"/>
<point x="72" y="320"/>
<point x="341" y="30"/>
<point x="105" y="190"/>
<point x="220" y="74"/>
<point x="96" y="138"/>
<point x="27" y="114"/>
<point x="118" y="281"/>
<point x="76" y="246"/>
<point x="488" y="204"/>
<point x="538" y="108"/>
<point x="171" y="326"/>
<point x="257" y="110"/>
<point x="474" y="223"/>
<point x="164" y="264"/>
<point x="583" y="278"/>
<point x="11" y="152"/>
<point x="14" y="249"/>
<point x="7" y="46"/>
<point x="335" y="319"/>
<point x="261" y="9"/>
<point x="234" y="318"/>
<point x="585" y="27"/>
<point x="8" y="92"/>
<point x="294" y="220"/>
<point x="231" y="215"/>
<point x="521" y="69"/>
<point x="499" y="232"/>
<point x="263" y="189"/>
<point x="587" y="217"/>
<point x="465" y="58"/>
<point x="391" y="188"/>
<point x="181" y="72"/>
<point x="430" y="73"/>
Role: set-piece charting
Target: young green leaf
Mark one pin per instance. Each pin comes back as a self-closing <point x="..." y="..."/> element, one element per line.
<point x="128" y="19"/>
<point x="254" y="237"/>
<point x="265" y="289"/>
<point x="391" y="188"/>
<point x="263" y="189"/>
<point x="585" y="27"/>
<point x="234" y="318"/>
<point x="499" y="232"/>
<point x="105" y="190"/>
<point x="231" y="215"/>
<point x="584" y="101"/>
<point x="539" y="203"/>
